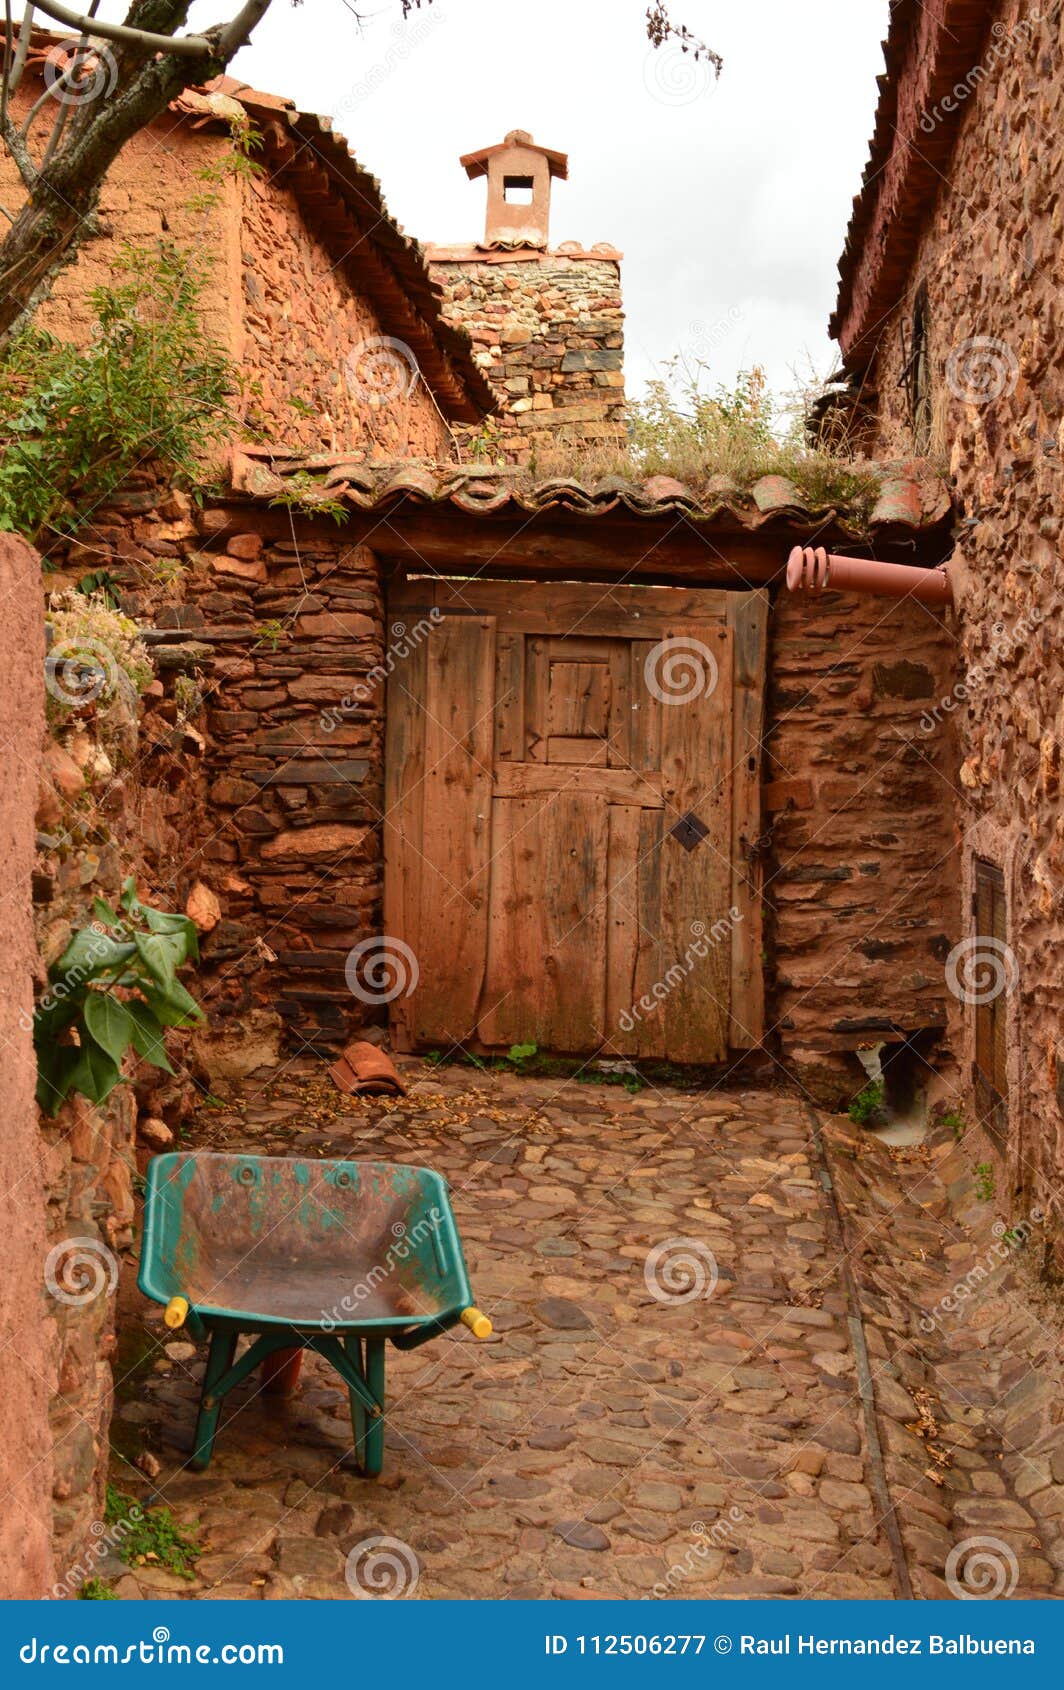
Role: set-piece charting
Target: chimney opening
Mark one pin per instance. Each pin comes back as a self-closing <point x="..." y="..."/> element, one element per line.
<point x="517" y="190"/>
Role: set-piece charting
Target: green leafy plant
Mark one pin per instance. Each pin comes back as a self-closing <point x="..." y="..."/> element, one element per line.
<point x="148" y="382"/>
<point x="95" y="654"/>
<point x="984" y="1181"/>
<point x="273" y="632"/>
<point x="518" y="1056"/>
<point x="115" y="986"/>
<point x="97" y="1590"/>
<point x="303" y="493"/>
<point x="150" y="1534"/>
<point x="867" y="1102"/>
<point x="955" y="1123"/>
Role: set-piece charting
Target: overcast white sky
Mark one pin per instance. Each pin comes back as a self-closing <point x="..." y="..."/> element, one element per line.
<point x="729" y="198"/>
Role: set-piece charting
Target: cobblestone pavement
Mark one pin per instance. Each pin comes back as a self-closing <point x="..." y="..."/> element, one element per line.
<point x="697" y="1385"/>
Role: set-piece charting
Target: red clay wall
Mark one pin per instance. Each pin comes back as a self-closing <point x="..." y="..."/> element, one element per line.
<point x="25" y="1339"/>
<point x="990" y="262"/>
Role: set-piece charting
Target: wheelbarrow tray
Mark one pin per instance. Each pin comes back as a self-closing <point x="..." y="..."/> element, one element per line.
<point x="272" y="1241"/>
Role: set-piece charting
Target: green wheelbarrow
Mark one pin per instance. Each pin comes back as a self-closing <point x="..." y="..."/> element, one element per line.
<point x="334" y="1257"/>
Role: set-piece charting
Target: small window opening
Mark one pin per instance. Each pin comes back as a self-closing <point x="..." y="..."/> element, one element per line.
<point x="517" y="190"/>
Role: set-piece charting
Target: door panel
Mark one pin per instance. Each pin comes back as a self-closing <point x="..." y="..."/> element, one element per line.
<point x="573" y="777"/>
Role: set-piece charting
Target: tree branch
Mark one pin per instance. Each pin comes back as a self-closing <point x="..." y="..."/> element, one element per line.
<point x="19" y="151"/>
<point x="188" y="46"/>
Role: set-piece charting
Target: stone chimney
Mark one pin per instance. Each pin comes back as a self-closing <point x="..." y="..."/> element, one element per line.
<point x="546" y="322"/>
<point x="519" y="176"/>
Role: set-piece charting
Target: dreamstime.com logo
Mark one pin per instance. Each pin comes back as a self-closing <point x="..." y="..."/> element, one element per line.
<point x="980" y="968"/>
<point x="404" y="1240"/>
<point x="1008" y="1239"/>
<point x="680" y="1270"/>
<point x="981" y="369"/>
<point x="78" y="1270"/>
<point x="382" y="1569"/>
<point x="679" y="670"/>
<point x="78" y="671"/>
<point x="702" y="942"/>
<point x="380" y="969"/>
<point x="402" y="642"/>
<point x="381" y="370"/>
<point x="981" y="1569"/>
<point x="673" y="76"/>
<point x="74" y="75"/>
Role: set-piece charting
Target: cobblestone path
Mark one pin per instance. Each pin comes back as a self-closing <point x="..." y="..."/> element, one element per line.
<point x="697" y="1385"/>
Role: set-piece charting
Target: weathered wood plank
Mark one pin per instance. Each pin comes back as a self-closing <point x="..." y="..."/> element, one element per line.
<point x="509" y="698"/>
<point x="546" y="976"/>
<point x="696" y="884"/>
<point x="572" y="609"/>
<point x="404" y="798"/>
<point x="748" y="621"/>
<point x="451" y="943"/>
<point x="611" y="786"/>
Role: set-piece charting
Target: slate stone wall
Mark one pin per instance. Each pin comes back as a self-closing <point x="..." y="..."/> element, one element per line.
<point x="989" y="262"/>
<point x="548" y="329"/>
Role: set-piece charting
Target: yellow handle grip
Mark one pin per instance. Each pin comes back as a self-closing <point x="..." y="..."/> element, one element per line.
<point x="478" y="1323"/>
<point x="176" y="1312"/>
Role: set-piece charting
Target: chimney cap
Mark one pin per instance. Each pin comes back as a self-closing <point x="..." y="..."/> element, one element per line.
<point x="476" y="164"/>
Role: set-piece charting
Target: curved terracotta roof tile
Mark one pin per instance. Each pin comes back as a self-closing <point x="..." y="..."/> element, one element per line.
<point x="912" y="494"/>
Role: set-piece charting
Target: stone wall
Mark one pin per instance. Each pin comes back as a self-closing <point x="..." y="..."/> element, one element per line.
<point x="25" y="1453"/>
<point x="862" y="879"/>
<point x="989" y="261"/>
<point x="549" y="333"/>
<point x="315" y="350"/>
<point x="120" y="794"/>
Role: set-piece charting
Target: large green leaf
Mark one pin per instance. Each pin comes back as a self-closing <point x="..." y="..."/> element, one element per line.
<point x="180" y="926"/>
<point x="96" y="1074"/>
<point x="110" y="1023"/>
<point x="102" y="910"/>
<point x="89" y="954"/>
<point x="175" y="1007"/>
<point x="148" y="1035"/>
<point x="55" y="1070"/>
<point x="156" y="951"/>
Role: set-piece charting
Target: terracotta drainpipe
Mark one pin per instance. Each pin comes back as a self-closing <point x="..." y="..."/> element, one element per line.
<point x="810" y="570"/>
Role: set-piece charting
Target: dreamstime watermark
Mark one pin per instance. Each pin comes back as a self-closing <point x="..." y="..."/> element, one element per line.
<point x="99" y="946"/>
<point x="704" y="1540"/>
<point x="981" y="369"/>
<point x="702" y="942"/>
<point x="1005" y="643"/>
<point x="675" y="75"/>
<point x="382" y="1568"/>
<point x="78" y="1270"/>
<point x="980" y="968"/>
<point x="380" y="969"/>
<point x="1005" y="42"/>
<point x="75" y="75"/>
<point x="405" y="1240"/>
<point x="409" y="34"/>
<point x="381" y="370"/>
<point x="681" y="1270"/>
<point x="679" y="670"/>
<point x="403" y="642"/>
<point x="708" y="338"/>
<point x="1008" y="1239"/>
<point x="104" y="1541"/>
<point x="981" y="1569"/>
<point x="78" y="671"/>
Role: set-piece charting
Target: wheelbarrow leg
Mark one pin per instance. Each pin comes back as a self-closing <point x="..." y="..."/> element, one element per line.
<point x="353" y="1349"/>
<point x="219" y="1361"/>
<point x="369" y="1428"/>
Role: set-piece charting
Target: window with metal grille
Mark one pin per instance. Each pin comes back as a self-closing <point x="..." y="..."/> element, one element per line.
<point x="991" y="1081"/>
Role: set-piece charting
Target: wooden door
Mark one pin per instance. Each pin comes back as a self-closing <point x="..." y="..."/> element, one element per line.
<point x="573" y="777"/>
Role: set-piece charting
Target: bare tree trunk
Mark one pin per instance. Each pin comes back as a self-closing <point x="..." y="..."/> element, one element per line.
<point x="64" y="192"/>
